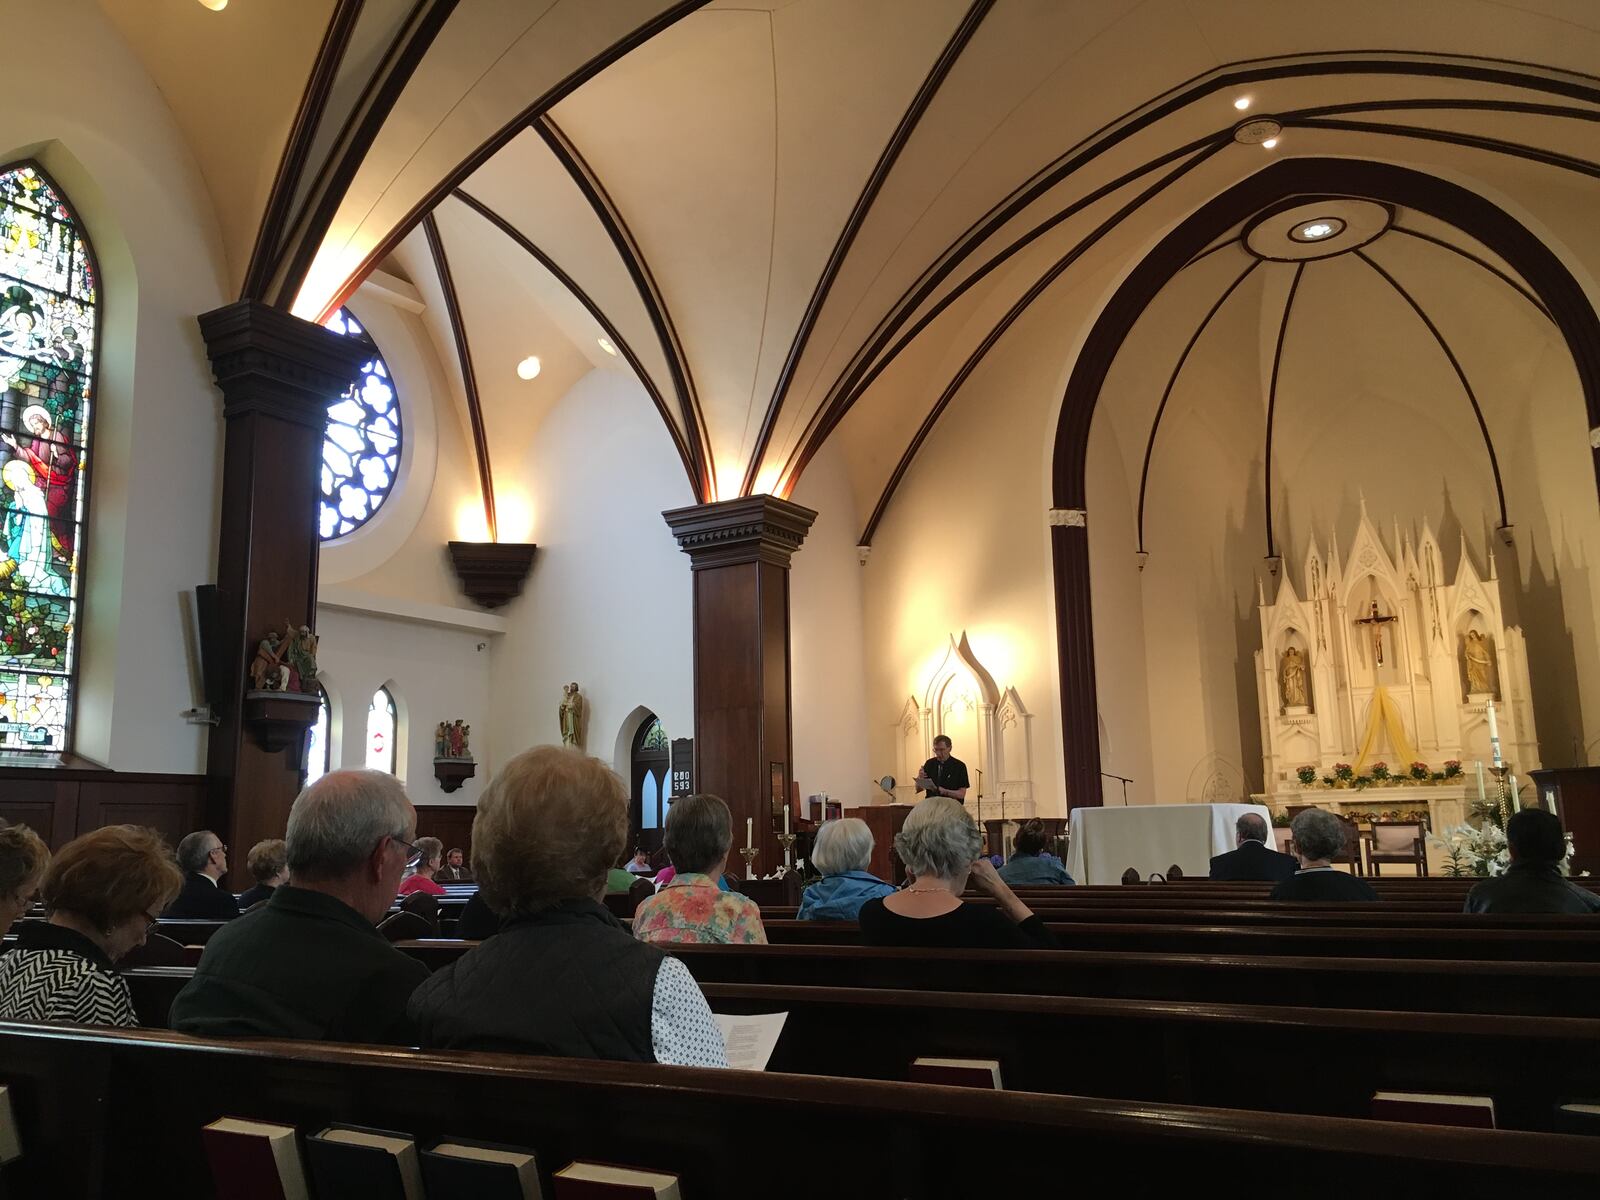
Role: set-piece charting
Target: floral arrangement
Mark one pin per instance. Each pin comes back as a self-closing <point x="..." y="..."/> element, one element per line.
<point x="1307" y="774"/>
<point x="1419" y="770"/>
<point x="1452" y="768"/>
<point x="1380" y="770"/>
<point x="1343" y="772"/>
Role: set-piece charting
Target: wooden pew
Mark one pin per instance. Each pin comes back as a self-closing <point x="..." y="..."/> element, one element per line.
<point x="1222" y="1055"/>
<point x="1294" y="916"/>
<point x="1533" y="944"/>
<point x="118" y="1113"/>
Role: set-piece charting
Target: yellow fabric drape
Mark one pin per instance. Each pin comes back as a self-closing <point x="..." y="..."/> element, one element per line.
<point x="1385" y="715"/>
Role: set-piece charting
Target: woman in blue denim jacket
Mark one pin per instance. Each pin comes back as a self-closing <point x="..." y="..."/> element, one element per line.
<point x="842" y="851"/>
<point x="1030" y="865"/>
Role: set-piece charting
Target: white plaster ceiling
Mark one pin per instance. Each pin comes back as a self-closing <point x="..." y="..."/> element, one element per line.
<point x="731" y="142"/>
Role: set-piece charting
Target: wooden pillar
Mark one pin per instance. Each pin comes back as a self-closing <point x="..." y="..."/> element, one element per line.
<point x="739" y="551"/>
<point x="1080" y="715"/>
<point x="278" y="375"/>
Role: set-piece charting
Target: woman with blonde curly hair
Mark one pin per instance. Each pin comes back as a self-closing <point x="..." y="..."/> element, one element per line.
<point x="562" y="976"/>
<point x="103" y="892"/>
<point x="23" y="859"/>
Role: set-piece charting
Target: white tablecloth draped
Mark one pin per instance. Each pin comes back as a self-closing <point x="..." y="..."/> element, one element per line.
<point x="1151" y="837"/>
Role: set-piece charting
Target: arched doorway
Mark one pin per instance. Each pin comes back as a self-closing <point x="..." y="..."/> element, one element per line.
<point x="650" y="783"/>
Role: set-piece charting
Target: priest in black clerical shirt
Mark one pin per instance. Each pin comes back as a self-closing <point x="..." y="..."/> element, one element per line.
<point x="943" y="775"/>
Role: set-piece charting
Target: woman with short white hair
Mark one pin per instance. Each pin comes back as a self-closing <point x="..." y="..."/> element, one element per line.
<point x="941" y="847"/>
<point x="842" y="851"/>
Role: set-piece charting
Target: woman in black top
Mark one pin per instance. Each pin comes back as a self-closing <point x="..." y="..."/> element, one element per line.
<point x="939" y="845"/>
<point x="1319" y="838"/>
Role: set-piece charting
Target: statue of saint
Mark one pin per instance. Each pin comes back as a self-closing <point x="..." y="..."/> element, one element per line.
<point x="1292" y="679"/>
<point x="1477" y="654"/>
<point x="441" y="740"/>
<point x="300" y="650"/>
<point x="268" y="671"/>
<point x="571" y="714"/>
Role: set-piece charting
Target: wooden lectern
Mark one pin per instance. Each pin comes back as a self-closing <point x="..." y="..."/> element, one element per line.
<point x="884" y="820"/>
<point x="1573" y="794"/>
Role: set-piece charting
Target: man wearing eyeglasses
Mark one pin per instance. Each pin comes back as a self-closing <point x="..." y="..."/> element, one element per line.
<point x="204" y="860"/>
<point x="310" y="963"/>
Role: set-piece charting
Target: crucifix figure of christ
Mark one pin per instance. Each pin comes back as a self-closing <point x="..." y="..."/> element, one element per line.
<point x="1377" y="623"/>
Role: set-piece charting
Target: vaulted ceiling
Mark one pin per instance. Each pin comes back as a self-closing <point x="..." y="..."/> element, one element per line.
<point x="812" y="219"/>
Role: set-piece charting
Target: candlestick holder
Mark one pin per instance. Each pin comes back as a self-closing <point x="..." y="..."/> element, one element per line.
<point x="787" y="840"/>
<point x="749" y="853"/>
<point x="1504" y="798"/>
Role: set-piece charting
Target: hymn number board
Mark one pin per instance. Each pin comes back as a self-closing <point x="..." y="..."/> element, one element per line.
<point x="682" y="767"/>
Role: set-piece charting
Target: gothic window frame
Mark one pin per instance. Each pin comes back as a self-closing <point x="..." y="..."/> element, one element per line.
<point x="347" y="324"/>
<point x="393" y="749"/>
<point x="325" y="720"/>
<point x="77" y="595"/>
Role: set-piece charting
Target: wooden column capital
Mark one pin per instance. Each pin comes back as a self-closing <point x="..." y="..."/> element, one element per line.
<point x="744" y="530"/>
<point x="266" y="361"/>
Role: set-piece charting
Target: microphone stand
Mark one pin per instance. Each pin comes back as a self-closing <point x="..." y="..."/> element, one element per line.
<point x="1125" y="782"/>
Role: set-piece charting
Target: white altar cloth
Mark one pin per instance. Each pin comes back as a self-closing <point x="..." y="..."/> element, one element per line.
<point x="1151" y="837"/>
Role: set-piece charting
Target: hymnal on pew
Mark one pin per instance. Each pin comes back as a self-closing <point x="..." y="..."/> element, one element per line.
<point x="375" y="1164"/>
<point x="455" y="1169"/>
<point x="749" y="1039"/>
<point x="254" y="1160"/>
<point x="958" y="1072"/>
<point x="1425" y="1108"/>
<point x="602" y="1181"/>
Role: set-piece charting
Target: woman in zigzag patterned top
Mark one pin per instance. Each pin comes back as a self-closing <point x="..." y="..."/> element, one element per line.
<point x="102" y="893"/>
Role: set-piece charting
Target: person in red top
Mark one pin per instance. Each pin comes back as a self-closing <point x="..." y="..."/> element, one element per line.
<point x="432" y="852"/>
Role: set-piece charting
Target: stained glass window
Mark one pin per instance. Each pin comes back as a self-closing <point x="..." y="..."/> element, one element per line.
<point x="655" y="738"/>
<point x="318" y="747"/>
<point x="361" y="444"/>
<point x="381" y="730"/>
<point x="650" y="801"/>
<point x="47" y="365"/>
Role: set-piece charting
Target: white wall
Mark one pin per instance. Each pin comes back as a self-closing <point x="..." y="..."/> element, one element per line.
<point x="827" y="641"/>
<point x="434" y="675"/>
<point x="109" y="140"/>
<point x="608" y="602"/>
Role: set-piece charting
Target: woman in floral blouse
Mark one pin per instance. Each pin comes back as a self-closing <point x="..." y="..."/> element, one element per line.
<point x="691" y="907"/>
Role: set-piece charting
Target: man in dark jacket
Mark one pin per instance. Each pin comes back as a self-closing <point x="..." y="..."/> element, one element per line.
<point x="1533" y="883"/>
<point x="1252" y="860"/>
<point x="204" y="860"/>
<point x="310" y="963"/>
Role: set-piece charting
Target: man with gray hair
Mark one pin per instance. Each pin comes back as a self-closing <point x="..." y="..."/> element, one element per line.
<point x="204" y="861"/>
<point x="1253" y="860"/>
<point x="310" y="964"/>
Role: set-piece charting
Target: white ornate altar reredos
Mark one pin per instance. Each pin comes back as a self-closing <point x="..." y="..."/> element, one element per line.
<point x="990" y="729"/>
<point x="1379" y="657"/>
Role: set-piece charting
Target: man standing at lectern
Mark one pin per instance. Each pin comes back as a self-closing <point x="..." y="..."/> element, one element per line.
<point x="942" y="775"/>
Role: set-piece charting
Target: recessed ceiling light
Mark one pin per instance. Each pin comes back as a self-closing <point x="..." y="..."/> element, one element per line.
<point x="1242" y="103"/>
<point x="215" y="5"/>
<point x="1318" y="229"/>
<point x="605" y="344"/>
<point x="1269" y="143"/>
<point x="528" y="367"/>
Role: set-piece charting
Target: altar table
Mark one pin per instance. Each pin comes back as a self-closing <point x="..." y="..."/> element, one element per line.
<point x="1152" y="837"/>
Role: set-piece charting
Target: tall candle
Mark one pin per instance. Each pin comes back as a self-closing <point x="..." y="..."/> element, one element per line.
<point x="1494" y="733"/>
<point x="786" y="819"/>
<point x="1482" y="795"/>
<point x="1516" y="801"/>
<point x="749" y="832"/>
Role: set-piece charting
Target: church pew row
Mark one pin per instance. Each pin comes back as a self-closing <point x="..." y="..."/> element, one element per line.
<point x="106" y="1113"/>
<point x="1503" y="945"/>
<point x="1293" y="916"/>
<point x="1257" y="1057"/>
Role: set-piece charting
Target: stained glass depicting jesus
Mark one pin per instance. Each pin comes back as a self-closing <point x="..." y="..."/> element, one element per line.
<point x="27" y="532"/>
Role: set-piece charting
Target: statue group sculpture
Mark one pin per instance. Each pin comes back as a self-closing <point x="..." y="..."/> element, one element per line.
<point x="450" y="740"/>
<point x="286" y="662"/>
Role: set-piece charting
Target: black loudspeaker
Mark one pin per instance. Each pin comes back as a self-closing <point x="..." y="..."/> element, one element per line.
<point x="213" y="654"/>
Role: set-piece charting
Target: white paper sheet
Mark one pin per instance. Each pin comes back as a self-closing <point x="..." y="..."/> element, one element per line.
<point x="750" y="1038"/>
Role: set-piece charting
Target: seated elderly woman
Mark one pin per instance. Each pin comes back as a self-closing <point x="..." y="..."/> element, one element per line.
<point x="269" y="864"/>
<point x="939" y="845"/>
<point x="430" y="851"/>
<point x="842" y="851"/>
<point x="1319" y="838"/>
<point x="103" y="892"/>
<point x="1030" y="866"/>
<point x="23" y="859"/>
<point x="692" y="906"/>
<point x="562" y="976"/>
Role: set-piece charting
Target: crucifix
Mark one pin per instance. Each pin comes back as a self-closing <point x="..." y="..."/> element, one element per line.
<point x="1377" y="624"/>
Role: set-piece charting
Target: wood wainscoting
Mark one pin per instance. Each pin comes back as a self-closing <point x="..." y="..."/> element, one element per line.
<point x="60" y="803"/>
<point x="450" y="823"/>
